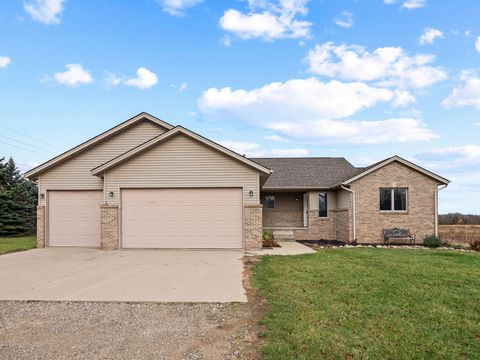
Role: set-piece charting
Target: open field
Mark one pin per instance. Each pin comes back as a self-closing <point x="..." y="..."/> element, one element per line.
<point x="12" y="244"/>
<point x="459" y="233"/>
<point x="371" y="304"/>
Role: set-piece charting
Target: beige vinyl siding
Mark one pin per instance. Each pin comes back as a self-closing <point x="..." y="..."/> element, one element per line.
<point x="344" y="199"/>
<point x="182" y="218"/>
<point x="182" y="162"/>
<point x="74" y="173"/>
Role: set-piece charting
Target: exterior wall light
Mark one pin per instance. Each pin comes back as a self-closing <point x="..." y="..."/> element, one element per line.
<point x="42" y="196"/>
<point x="110" y="194"/>
<point x="251" y="193"/>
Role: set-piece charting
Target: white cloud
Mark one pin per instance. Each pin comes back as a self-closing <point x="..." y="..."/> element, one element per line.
<point x="390" y="66"/>
<point x="409" y="4"/>
<point x="467" y="94"/>
<point x="345" y="20"/>
<point x="453" y="156"/>
<point x="296" y="99"/>
<point x="477" y="44"/>
<point x="45" y="11"/>
<point x="274" y="138"/>
<point x="226" y="41"/>
<point x="310" y="109"/>
<point x="414" y="4"/>
<point x="74" y="75"/>
<point x="290" y="152"/>
<point x="177" y="7"/>
<point x="268" y="20"/>
<point x="112" y="79"/>
<point x="244" y="148"/>
<point x="430" y="35"/>
<point x="145" y="79"/>
<point x="388" y="131"/>
<point x="476" y="123"/>
<point x="4" y="61"/>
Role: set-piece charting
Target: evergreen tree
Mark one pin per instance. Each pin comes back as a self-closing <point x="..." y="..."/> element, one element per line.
<point x="18" y="201"/>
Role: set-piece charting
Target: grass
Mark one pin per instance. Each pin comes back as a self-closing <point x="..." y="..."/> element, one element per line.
<point x="371" y="304"/>
<point x="12" y="244"/>
<point x="459" y="233"/>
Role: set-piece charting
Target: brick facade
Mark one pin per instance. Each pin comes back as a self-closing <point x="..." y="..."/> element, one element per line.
<point x="343" y="220"/>
<point x="252" y="227"/>
<point x="41" y="226"/>
<point x="318" y="228"/>
<point x="109" y="218"/>
<point x="272" y="218"/>
<point x="420" y="214"/>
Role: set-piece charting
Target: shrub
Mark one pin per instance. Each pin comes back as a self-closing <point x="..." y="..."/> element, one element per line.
<point x="268" y="241"/>
<point x="475" y="245"/>
<point x="432" y="241"/>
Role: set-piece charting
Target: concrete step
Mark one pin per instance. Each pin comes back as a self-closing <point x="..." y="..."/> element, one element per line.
<point x="283" y="235"/>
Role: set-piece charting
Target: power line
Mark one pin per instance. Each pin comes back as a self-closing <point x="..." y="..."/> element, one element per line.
<point x="20" y="147"/>
<point x="25" y="143"/>
<point x="23" y="134"/>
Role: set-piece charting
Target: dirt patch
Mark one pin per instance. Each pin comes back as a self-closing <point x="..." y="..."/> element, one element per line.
<point x="87" y="330"/>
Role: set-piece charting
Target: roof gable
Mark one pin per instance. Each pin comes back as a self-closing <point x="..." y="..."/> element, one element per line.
<point x="99" y="170"/>
<point x="33" y="173"/>
<point x="369" y="169"/>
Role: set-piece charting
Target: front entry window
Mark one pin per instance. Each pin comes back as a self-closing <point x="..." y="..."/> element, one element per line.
<point x="322" y="205"/>
<point x="270" y="201"/>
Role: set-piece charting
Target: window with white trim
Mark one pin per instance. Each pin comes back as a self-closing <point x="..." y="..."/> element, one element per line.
<point x="393" y="199"/>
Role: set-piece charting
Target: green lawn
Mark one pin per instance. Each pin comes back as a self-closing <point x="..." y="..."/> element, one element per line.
<point x="371" y="304"/>
<point x="12" y="244"/>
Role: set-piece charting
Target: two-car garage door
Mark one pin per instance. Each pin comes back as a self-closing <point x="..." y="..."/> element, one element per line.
<point x="182" y="218"/>
<point x="150" y="218"/>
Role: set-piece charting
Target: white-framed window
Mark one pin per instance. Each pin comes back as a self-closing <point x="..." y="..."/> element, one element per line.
<point x="322" y="205"/>
<point x="393" y="199"/>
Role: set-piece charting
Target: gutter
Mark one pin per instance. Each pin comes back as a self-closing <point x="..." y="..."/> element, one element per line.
<point x="441" y="187"/>
<point x="353" y="210"/>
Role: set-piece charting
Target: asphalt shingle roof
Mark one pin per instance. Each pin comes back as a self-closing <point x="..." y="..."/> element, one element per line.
<point x="299" y="173"/>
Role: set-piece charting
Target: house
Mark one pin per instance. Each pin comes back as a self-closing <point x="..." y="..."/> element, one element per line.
<point x="148" y="184"/>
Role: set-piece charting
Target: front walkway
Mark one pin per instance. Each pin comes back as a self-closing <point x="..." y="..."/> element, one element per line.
<point x="81" y="274"/>
<point x="287" y="248"/>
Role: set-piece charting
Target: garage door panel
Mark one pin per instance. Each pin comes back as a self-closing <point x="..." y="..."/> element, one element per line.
<point x="182" y="218"/>
<point x="74" y="218"/>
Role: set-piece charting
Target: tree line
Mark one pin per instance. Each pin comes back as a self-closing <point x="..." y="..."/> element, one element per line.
<point x="458" y="219"/>
<point x="18" y="201"/>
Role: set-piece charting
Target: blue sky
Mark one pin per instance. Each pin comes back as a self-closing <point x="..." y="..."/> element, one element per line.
<point x="360" y="79"/>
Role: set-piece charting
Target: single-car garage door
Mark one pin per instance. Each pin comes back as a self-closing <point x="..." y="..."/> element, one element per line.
<point x="182" y="218"/>
<point x="74" y="218"/>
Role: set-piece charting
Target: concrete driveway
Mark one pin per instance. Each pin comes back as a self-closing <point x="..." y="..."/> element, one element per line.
<point x="80" y="274"/>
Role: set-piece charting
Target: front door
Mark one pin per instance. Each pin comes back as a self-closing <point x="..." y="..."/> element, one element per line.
<point x="305" y="209"/>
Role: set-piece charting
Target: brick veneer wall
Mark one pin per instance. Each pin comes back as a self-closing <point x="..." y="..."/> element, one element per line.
<point x="285" y="218"/>
<point x="40" y="226"/>
<point x="252" y="226"/>
<point x="420" y="215"/>
<point x="342" y="224"/>
<point x="109" y="218"/>
<point x="318" y="228"/>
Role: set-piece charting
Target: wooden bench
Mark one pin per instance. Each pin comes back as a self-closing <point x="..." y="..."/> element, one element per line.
<point x="398" y="234"/>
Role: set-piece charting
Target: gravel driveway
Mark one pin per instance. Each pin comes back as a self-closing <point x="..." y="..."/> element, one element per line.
<point x="86" y="330"/>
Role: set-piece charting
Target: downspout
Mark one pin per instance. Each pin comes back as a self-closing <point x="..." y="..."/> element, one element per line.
<point x="353" y="210"/>
<point x="436" y="206"/>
